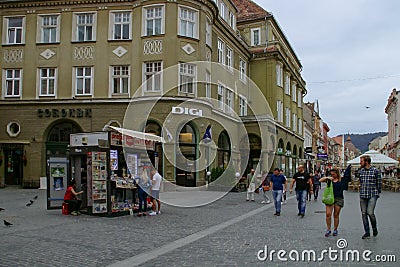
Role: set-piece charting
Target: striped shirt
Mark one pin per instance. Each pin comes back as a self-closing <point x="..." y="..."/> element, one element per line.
<point x="370" y="182"/>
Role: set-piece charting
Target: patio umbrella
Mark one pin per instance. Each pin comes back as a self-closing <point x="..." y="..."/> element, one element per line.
<point x="376" y="159"/>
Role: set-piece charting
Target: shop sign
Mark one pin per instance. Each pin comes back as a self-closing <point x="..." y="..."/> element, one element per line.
<point x="308" y="149"/>
<point x="87" y="139"/>
<point x="322" y="156"/>
<point x="187" y="111"/>
<point x="64" y="113"/>
<point x="117" y="139"/>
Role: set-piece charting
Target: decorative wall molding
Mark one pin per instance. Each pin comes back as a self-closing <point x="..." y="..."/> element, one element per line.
<point x="152" y="47"/>
<point x="84" y="52"/>
<point x="188" y="48"/>
<point x="119" y="51"/>
<point x="13" y="55"/>
<point x="48" y="53"/>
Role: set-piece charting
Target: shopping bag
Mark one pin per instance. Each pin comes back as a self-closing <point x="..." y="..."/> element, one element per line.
<point x="328" y="198"/>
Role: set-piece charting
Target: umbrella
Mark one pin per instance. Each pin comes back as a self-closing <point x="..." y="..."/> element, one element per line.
<point x="376" y="159"/>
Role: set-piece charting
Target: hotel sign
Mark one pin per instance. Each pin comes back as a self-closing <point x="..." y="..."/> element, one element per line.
<point x="64" y="113"/>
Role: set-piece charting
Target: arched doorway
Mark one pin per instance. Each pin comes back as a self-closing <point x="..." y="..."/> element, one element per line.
<point x="255" y="152"/>
<point x="156" y="156"/>
<point x="58" y="138"/>
<point x="280" y="154"/>
<point x="188" y="147"/>
<point x="224" y="150"/>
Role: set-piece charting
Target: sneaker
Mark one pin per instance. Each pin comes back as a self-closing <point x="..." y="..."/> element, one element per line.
<point x="302" y="215"/>
<point x="144" y="213"/>
<point x="253" y="200"/>
<point x="335" y="232"/>
<point x="278" y="214"/>
<point x="365" y="236"/>
<point x="375" y="232"/>
<point x="268" y="201"/>
<point x="263" y="202"/>
<point x="298" y="214"/>
<point x="247" y="200"/>
<point x="74" y="213"/>
<point x="139" y="214"/>
<point x="284" y="202"/>
<point x="152" y="213"/>
<point x="327" y="233"/>
<point x="158" y="212"/>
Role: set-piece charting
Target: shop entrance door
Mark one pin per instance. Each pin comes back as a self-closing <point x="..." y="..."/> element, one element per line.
<point x="187" y="177"/>
<point x="13" y="165"/>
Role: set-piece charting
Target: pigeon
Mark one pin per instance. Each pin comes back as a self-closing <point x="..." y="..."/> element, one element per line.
<point x="28" y="204"/>
<point x="7" y="223"/>
<point x="1" y="209"/>
<point x="31" y="201"/>
<point x="35" y="197"/>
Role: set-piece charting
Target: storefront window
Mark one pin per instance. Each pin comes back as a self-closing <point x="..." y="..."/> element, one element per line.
<point x="224" y="151"/>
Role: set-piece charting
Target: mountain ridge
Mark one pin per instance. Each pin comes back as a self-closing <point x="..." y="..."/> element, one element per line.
<point x="361" y="141"/>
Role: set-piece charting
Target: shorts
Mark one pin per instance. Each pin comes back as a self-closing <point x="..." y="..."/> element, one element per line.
<point x="339" y="202"/>
<point x="155" y="194"/>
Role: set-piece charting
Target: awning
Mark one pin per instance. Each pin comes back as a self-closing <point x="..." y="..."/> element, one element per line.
<point x="136" y="134"/>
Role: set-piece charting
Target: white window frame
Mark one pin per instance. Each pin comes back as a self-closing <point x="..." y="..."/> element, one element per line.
<point x="232" y="20"/>
<point x="229" y="58"/>
<point x="221" y="96"/>
<point x="294" y="92"/>
<point x="84" y="77"/>
<point x="287" y="83"/>
<point x="12" y="79"/>
<point x="155" y="73"/>
<point x="7" y="28"/>
<point x="242" y="106"/>
<point x="41" y="27"/>
<point x="300" y="124"/>
<point x="187" y="75"/>
<point x="75" y="32"/>
<point x="279" y="110"/>
<point x="243" y="70"/>
<point x="145" y="20"/>
<point x="255" y="42"/>
<point x="208" y="32"/>
<point x="123" y="76"/>
<point x="287" y="117"/>
<point x="190" y="22"/>
<point x="113" y="23"/>
<point x="221" y="51"/>
<point x="47" y="79"/>
<point x="279" y="74"/>
<point x="294" y="122"/>
<point x="208" y="84"/>
<point x="229" y="100"/>
<point x="222" y="10"/>
<point x="299" y="98"/>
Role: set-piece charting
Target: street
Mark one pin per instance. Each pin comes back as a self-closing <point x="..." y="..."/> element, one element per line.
<point x="228" y="232"/>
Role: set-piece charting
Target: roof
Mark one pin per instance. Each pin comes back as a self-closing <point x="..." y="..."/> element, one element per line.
<point x="248" y="10"/>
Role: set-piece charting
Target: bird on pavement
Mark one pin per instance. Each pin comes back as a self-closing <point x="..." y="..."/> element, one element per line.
<point x="7" y="223"/>
<point x="35" y="197"/>
<point x="28" y="204"/>
<point x="31" y="201"/>
<point x="1" y="209"/>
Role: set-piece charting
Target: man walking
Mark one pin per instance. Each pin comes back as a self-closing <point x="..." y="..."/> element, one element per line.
<point x="370" y="188"/>
<point x="155" y="192"/>
<point x="251" y="185"/>
<point x="316" y="184"/>
<point x="303" y="181"/>
<point x="278" y="181"/>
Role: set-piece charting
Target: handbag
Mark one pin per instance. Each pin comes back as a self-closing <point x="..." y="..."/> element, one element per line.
<point x="265" y="188"/>
<point x="327" y="197"/>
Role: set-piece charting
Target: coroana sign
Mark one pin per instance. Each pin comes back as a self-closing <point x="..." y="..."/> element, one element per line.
<point x="118" y="139"/>
<point x="187" y="111"/>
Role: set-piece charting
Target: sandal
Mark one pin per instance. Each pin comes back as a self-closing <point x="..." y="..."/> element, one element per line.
<point x="327" y="233"/>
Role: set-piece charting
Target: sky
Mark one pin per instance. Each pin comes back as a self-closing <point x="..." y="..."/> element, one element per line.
<point x="350" y="54"/>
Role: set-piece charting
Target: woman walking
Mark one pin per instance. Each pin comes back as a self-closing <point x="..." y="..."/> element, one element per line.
<point x="336" y="181"/>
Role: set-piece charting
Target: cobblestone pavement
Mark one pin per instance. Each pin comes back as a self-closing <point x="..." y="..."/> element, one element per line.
<point x="229" y="232"/>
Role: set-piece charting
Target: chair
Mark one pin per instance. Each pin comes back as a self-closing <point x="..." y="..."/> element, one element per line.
<point x="356" y="185"/>
<point x="394" y="185"/>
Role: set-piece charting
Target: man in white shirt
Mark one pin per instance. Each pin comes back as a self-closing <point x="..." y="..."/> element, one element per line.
<point x="156" y="179"/>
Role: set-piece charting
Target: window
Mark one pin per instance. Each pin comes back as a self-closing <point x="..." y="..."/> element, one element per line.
<point x="255" y="37"/>
<point x="208" y="84"/>
<point x="153" y="20"/>
<point x="300" y="126"/>
<point x="221" y="96"/>
<point x="229" y="100"/>
<point x="299" y="99"/>
<point x="85" y="27"/>
<point x="232" y="20"/>
<point x="294" y="92"/>
<point x="279" y="110"/>
<point x="152" y="76"/>
<point x="49" y="28"/>
<point x="221" y="51"/>
<point x="222" y="10"/>
<point x="287" y="84"/>
<point x="188" y="22"/>
<point x="120" y="26"/>
<point x="15" y="30"/>
<point x="47" y="81"/>
<point x="287" y="117"/>
<point x="279" y="74"/>
<point x="229" y="58"/>
<point x="242" y="69"/>
<point x="294" y="122"/>
<point x="84" y="80"/>
<point x="12" y="82"/>
<point x="208" y="32"/>
<point x="242" y="106"/>
<point x="120" y="79"/>
<point x="187" y="77"/>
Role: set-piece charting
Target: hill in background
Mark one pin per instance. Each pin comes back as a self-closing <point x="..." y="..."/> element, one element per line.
<point x="361" y="141"/>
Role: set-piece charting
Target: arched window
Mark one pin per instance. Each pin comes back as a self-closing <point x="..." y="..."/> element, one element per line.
<point x="188" y="147"/>
<point x="224" y="150"/>
<point x="61" y="131"/>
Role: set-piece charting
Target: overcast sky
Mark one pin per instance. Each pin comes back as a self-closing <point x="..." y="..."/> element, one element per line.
<point x="350" y="52"/>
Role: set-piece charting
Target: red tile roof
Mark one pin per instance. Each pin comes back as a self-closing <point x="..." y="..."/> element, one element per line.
<point x="248" y="10"/>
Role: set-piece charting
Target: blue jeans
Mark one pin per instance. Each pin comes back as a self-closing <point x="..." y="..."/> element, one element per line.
<point x="142" y="200"/>
<point x="367" y="210"/>
<point x="277" y="195"/>
<point x="301" y="196"/>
